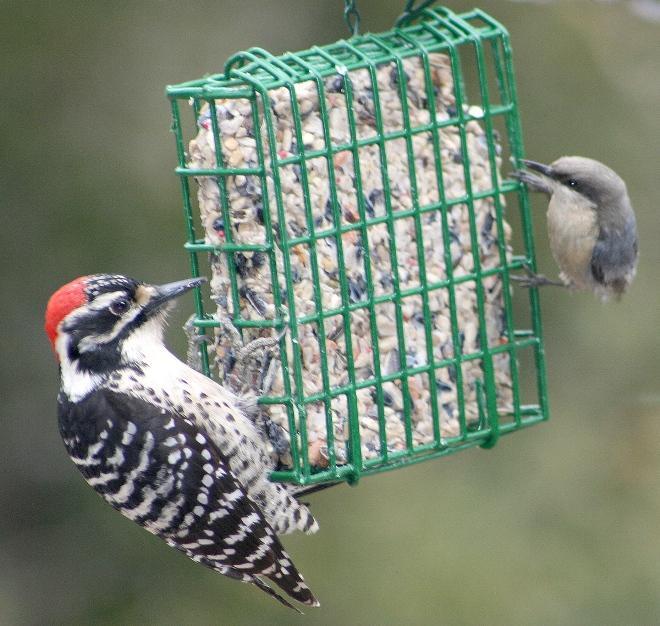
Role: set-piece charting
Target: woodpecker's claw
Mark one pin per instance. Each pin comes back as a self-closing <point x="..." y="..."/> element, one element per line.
<point x="254" y="366"/>
<point x="267" y="346"/>
<point x="234" y="334"/>
<point x="256" y="345"/>
<point x="193" y="356"/>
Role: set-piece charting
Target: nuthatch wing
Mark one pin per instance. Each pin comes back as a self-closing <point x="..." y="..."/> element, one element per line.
<point x="591" y="224"/>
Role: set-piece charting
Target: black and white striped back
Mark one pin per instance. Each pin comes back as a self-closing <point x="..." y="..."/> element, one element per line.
<point x="158" y="469"/>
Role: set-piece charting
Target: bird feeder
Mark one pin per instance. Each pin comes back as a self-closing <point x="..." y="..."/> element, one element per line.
<point x="348" y="204"/>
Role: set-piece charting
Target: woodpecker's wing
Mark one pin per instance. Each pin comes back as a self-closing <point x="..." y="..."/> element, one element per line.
<point x="157" y="469"/>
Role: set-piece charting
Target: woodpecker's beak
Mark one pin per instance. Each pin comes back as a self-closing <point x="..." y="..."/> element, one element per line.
<point x="165" y="293"/>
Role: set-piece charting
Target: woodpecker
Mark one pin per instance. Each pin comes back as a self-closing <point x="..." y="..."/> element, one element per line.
<point x="163" y="444"/>
<point x="591" y="224"/>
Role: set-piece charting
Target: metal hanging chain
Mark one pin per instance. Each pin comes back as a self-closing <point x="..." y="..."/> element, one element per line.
<point x="352" y="17"/>
<point x="410" y="12"/>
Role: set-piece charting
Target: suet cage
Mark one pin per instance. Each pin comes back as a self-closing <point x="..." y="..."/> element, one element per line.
<point x="350" y="204"/>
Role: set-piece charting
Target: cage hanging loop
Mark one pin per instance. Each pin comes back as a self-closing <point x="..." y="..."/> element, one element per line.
<point x="412" y="12"/>
<point x="352" y="17"/>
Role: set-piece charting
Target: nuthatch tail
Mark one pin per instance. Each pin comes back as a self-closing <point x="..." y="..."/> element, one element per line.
<point x="591" y="224"/>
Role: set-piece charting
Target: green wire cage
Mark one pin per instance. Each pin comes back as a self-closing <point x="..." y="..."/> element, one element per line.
<point x="353" y="211"/>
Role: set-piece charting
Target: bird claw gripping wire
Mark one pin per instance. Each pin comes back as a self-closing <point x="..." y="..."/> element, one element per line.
<point x="195" y="340"/>
<point x="253" y="366"/>
<point x="532" y="279"/>
<point x="252" y="369"/>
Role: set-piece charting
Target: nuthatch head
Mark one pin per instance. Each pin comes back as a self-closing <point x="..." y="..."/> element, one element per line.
<point x="591" y="223"/>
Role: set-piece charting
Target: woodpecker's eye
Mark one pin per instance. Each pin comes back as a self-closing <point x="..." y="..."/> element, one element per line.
<point x="119" y="307"/>
<point x="571" y="182"/>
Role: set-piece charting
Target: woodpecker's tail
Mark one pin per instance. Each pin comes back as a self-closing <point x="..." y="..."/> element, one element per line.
<point x="285" y="575"/>
<point x="282" y="572"/>
<point x="269" y="590"/>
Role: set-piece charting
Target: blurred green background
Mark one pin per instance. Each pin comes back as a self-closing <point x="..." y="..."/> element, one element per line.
<point x="559" y="524"/>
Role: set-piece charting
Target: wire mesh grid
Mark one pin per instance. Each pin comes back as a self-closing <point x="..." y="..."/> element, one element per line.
<point x="471" y="42"/>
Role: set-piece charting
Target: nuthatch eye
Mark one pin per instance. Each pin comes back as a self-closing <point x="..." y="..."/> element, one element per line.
<point x="591" y="224"/>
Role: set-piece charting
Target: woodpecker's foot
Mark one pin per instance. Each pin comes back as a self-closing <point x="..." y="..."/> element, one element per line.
<point x="261" y="350"/>
<point x="233" y="332"/>
<point x="535" y="280"/>
<point x="267" y="374"/>
<point x="253" y="366"/>
<point x="258" y="345"/>
<point x="192" y="334"/>
<point x="195" y="340"/>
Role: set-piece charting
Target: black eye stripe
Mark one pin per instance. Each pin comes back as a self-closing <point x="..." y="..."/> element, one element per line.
<point x="568" y="180"/>
<point x="580" y="186"/>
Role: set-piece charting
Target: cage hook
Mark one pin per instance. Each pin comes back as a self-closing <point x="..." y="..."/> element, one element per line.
<point x="411" y="12"/>
<point x="352" y="17"/>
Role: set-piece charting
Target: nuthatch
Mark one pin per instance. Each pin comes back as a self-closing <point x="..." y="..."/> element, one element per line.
<point x="591" y="224"/>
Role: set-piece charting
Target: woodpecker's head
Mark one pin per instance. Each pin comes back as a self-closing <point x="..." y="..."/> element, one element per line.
<point x="95" y="322"/>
